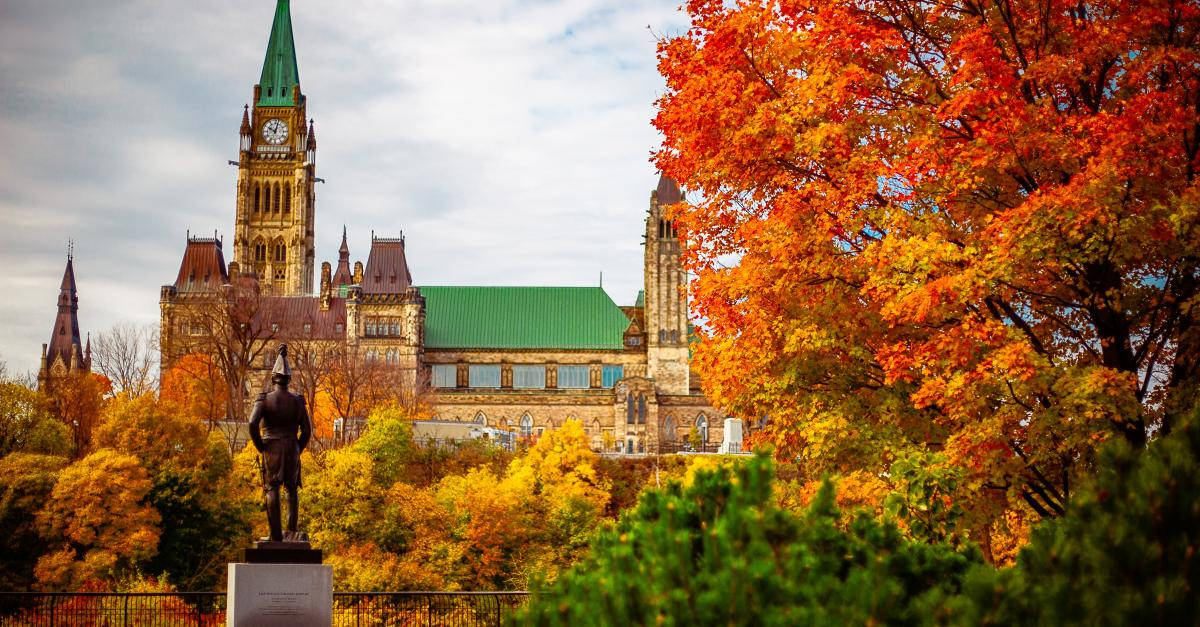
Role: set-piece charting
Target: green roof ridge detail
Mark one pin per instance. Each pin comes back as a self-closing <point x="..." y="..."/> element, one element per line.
<point x="562" y="318"/>
<point x="280" y="70"/>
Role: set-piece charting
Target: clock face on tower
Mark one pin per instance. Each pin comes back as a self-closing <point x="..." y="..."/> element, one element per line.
<point x="275" y="131"/>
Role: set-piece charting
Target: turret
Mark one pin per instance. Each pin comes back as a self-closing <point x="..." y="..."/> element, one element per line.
<point x="246" y="131"/>
<point x="343" y="276"/>
<point x="665" y="294"/>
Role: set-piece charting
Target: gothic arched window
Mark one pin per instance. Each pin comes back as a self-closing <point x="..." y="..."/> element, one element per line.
<point x="629" y="409"/>
<point x="287" y="198"/>
<point x="641" y="409"/>
<point x="526" y="425"/>
<point x="260" y="251"/>
<point x="277" y="198"/>
<point x="280" y="252"/>
<point x="702" y="427"/>
<point x="257" y="198"/>
<point x="668" y="429"/>
<point x="266" y="197"/>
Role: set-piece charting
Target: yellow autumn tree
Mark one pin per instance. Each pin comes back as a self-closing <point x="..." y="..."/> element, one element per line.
<point x="488" y="526"/>
<point x="560" y="466"/>
<point x="98" y="521"/>
<point x="160" y="434"/>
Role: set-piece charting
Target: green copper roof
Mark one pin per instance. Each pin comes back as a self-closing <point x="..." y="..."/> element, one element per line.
<point x="280" y="71"/>
<point x="640" y="301"/>
<point x="522" y="317"/>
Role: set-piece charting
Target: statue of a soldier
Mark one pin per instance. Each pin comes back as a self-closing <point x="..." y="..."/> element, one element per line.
<point x="280" y="429"/>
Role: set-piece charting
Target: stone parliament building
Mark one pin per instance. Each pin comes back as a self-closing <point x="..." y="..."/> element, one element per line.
<point x="515" y="359"/>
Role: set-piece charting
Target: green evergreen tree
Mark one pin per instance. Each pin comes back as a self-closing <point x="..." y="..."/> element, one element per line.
<point x="719" y="552"/>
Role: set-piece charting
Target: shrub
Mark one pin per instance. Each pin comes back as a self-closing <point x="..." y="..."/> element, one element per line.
<point x="720" y="552"/>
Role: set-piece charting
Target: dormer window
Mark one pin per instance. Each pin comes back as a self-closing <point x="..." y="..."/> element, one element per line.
<point x="308" y="327"/>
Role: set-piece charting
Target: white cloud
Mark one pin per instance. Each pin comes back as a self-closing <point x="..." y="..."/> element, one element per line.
<point x="509" y="140"/>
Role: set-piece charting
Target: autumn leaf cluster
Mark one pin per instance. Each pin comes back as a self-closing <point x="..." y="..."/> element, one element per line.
<point x="964" y="227"/>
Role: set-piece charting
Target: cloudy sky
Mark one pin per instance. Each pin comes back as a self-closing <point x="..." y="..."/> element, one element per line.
<point x="509" y="140"/>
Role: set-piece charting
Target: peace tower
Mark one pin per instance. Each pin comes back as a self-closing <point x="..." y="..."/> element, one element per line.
<point x="273" y="231"/>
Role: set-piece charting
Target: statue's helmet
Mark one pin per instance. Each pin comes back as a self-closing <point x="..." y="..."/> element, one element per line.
<point x="282" y="372"/>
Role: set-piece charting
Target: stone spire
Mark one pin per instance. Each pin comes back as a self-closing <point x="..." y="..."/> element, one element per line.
<point x="65" y="344"/>
<point x="280" y="73"/>
<point x="668" y="191"/>
<point x="343" y="276"/>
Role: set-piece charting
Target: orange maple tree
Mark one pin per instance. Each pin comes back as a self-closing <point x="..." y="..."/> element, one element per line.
<point x="195" y="384"/>
<point x="968" y="225"/>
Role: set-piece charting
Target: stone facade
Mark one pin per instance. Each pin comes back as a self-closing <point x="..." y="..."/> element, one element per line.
<point x="630" y="381"/>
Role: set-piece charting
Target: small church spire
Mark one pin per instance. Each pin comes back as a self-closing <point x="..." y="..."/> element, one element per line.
<point x="280" y="73"/>
<point x="668" y="191"/>
<point x="64" y="336"/>
<point x="343" y="276"/>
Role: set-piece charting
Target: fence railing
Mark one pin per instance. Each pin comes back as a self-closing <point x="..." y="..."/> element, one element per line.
<point x="667" y="448"/>
<point x="205" y="609"/>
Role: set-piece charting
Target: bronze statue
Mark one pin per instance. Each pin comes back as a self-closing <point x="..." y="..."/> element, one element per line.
<point x="277" y="417"/>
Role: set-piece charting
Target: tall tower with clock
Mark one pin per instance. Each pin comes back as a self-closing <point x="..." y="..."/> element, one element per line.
<point x="274" y="231"/>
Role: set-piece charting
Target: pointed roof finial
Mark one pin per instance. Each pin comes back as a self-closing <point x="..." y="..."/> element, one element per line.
<point x="343" y="276"/>
<point x="280" y="71"/>
<point x="668" y="191"/>
<point x="64" y="335"/>
<point x="70" y="249"/>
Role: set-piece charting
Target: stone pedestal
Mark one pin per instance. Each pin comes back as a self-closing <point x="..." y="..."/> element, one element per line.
<point x="732" y="442"/>
<point x="286" y="552"/>
<point x="287" y="595"/>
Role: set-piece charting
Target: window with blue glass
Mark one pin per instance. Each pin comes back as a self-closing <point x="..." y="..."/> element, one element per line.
<point x="573" y="377"/>
<point x="610" y="375"/>
<point x="445" y="375"/>
<point x="484" y="376"/>
<point x="529" y="377"/>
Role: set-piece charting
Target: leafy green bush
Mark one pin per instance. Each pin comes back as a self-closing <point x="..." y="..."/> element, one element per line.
<point x="720" y="552"/>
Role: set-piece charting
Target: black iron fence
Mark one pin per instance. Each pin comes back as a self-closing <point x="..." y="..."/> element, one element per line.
<point x="668" y="448"/>
<point x="154" y="609"/>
